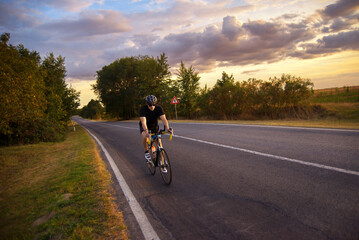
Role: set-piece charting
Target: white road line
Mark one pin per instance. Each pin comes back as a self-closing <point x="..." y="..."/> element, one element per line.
<point x="120" y="126"/>
<point x="281" y="127"/>
<point x="266" y="154"/>
<point x="273" y="156"/>
<point x="146" y="228"/>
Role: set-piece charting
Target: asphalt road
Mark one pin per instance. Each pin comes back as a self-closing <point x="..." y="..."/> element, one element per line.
<point x="242" y="182"/>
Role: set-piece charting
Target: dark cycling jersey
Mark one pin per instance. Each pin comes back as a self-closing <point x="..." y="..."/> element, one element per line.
<point x="151" y="116"/>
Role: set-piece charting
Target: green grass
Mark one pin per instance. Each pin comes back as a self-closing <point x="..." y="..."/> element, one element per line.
<point x="57" y="191"/>
<point x="341" y="104"/>
<point x="343" y="111"/>
<point x="336" y="95"/>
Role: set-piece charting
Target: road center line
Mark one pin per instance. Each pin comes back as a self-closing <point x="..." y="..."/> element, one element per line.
<point x="146" y="228"/>
<point x="273" y="156"/>
<point x="273" y="126"/>
<point x="265" y="154"/>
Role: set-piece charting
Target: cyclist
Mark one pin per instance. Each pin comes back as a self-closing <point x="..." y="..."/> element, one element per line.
<point x="149" y="115"/>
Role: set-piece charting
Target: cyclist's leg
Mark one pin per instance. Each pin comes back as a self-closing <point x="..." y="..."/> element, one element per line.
<point x="144" y="138"/>
<point x="145" y="145"/>
<point x="144" y="141"/>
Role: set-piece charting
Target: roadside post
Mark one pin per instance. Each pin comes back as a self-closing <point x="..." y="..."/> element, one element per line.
<point x="175" y="102"/>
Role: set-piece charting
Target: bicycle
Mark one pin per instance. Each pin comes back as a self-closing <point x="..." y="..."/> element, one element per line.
<point x="159" y="157"/>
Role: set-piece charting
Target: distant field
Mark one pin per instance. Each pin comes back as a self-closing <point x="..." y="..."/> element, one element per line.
<point x="340" y="103"/>
<point x="336" y="95"/>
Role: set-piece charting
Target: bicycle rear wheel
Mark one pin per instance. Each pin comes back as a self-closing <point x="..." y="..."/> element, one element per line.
<point x="152" y="165"/>
<point x="165" y="167"/>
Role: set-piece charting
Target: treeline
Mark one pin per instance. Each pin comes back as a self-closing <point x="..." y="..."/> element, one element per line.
<point x="35" y="102"/>
<point x="287" y="96"/>
<point x="123" y="85"/>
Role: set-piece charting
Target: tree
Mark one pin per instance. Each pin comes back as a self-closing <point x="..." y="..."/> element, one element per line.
<point x="22" y="98"/>
<point x="54" y="76"/>
<point x="70" y="101"/>
<point x="35" y="102"/>
<point x="123" y="85"/>
<point x="276" y="98"/>
<point x="296" y="90"/>
<point x="92" y="110"/>
<point x="188" y="81"/>
<point x="222" y="96"/>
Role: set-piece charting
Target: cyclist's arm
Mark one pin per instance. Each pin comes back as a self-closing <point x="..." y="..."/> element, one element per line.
<point x="165" y="122"/>
<point x="144" y="124"/>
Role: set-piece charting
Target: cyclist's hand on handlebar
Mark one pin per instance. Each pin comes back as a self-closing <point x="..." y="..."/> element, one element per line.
<point x="170" y="130"/>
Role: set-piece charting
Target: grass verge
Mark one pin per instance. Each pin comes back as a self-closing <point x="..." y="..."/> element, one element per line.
<point x="57" y="191"/>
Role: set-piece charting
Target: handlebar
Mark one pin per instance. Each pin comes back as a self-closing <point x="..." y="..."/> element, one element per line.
<point x="162" y="131"/>
<point x="167" y="132"/>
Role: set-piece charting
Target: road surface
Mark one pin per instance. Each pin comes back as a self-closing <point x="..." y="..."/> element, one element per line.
<point x="242" y="182"/>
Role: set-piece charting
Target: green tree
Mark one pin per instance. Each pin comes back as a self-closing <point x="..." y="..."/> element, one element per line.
<point x="27" y="87"/>
<point x="188" y="81"/>
<point x="92" y="110"/>
<point x="271" y="96"/>
<point x="70" y="101"/>
<point x="251" y="100"/>
<point x="22" y="98"/>
<point x="54" y="76"/>
<point x="297" y="90"/>
<point x="223" y="96"/>
<point x="123" y="84"/>
<point x="116" y="87"/>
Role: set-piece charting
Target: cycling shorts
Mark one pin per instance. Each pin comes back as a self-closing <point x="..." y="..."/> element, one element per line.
<point x="152" y="130"/>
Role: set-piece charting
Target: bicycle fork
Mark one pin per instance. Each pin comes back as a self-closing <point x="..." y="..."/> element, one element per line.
<point x="159" y="158"/>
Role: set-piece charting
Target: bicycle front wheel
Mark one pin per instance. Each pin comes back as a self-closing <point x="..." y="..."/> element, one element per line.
<point x="165" y="167"/>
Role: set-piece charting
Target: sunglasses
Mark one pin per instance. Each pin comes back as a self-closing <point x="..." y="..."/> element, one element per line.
<point x="151" y="105"/>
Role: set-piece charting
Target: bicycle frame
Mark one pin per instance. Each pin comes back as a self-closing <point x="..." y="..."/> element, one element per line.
<point x="159" y="157"/>
<point x="157" y="139"/>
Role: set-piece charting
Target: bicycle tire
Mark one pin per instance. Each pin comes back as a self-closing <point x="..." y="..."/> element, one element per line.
<point x="152" y="165"/>
<point x="166" y="177"/>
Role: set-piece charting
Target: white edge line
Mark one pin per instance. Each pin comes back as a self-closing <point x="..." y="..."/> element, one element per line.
<point x="146" y="228"/>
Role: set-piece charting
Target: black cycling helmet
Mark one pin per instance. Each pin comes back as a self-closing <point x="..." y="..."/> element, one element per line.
<point x="151" y="100"/>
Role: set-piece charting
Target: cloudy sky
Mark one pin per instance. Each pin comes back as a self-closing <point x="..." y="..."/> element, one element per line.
<point x="316" y="39"/>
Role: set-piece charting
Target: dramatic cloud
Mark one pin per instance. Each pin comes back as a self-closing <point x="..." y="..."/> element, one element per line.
<point x="90" y="23"/>
<point x="231" y="28"/>
<point x="260" y="41"/>
<point x="330" y="44"/>
<point x="203" y="33"/>
<point x="68" y="5"/>
<point x="340" y="24"/>
<point x="250" y="72"/>
<point x="185" y="15"/>
<point x="343" y="41"/>
<point x="253" y="42"/>
<point x="341" y="8"/>
<point x="13" y="17"/>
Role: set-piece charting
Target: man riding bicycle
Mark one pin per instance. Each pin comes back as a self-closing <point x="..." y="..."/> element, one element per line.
<point x="149" y="115"/>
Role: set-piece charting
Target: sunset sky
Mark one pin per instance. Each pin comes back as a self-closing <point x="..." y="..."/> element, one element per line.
<point x="315" y="39"/>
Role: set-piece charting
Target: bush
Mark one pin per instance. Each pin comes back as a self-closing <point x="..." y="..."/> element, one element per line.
<point x="38" y="130"/>
<point x="35" y="102"/>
